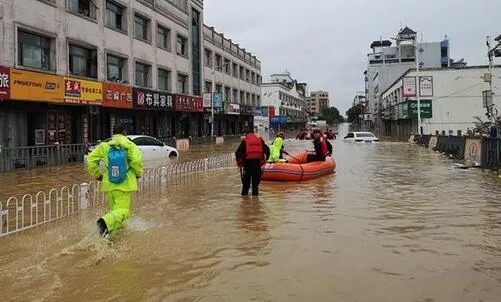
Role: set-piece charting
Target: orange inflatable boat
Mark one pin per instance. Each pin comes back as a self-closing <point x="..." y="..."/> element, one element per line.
<point x="297" y="169"/>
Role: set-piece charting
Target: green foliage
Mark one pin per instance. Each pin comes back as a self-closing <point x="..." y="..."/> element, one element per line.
<point x="331" y="116"/>
<point x="353" y="113"/>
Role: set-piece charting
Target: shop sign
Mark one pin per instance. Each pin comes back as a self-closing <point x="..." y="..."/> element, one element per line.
<point x="85" y="92"/>
<point x="117" y="95"/>
<point x="246" y="109"/>
<point x="278" y="119"/>
<point x="4" y="83"/>
<point x="150" y="99"/>
<point x="409" y="86"/>
<point x="34" y="86"/>
<point x="189" y="103"/>
<point x="207" y="100"/>
<point x="218" y="99"/>
<point x="257" y="111"/>
<point x="425" y="112"/>
<point x="233" y="109"/>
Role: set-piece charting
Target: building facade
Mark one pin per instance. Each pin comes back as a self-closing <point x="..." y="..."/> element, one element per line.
<point x="450" y="98"/>
<point x="236" y="74"/>
<point x="317" y="101"/>
<point x="285" y="100"/>
<point x="77" y="67"/>
<point x="387" y="63"/>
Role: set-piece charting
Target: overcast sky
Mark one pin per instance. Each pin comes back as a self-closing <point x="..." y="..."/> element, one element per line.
<point x="325" y="42"/>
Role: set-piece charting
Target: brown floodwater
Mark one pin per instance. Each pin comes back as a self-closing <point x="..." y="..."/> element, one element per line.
<point x="395" y="223"/>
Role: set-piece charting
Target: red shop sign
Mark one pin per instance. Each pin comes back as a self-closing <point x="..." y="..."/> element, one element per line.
<point x="189" y="103"/>
<point x="4" y="83"/>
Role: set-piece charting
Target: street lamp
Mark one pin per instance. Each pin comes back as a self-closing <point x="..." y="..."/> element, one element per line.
<point x="213" y="88"/>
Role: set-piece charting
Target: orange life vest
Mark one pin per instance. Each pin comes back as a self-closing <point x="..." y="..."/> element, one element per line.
<point x="323" y="145"/>
<point x="253" y="147"/>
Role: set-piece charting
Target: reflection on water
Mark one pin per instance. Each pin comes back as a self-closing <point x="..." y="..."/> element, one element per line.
<point x="394" y="223"/>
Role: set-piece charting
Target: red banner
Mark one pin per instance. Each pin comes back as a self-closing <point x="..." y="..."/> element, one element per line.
<point x="117" y="95"/>
<point x="271" y="111"/>
<point x="4" y="83"/>
<point x="189" y="103"/>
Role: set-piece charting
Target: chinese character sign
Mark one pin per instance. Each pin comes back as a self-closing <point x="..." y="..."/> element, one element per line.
<point x="117" y="95"/>
<point x="4" y="83"/>
<point x="150" y="99"/>
<point x="83" y="92"/>
<point x="189" y="103"/>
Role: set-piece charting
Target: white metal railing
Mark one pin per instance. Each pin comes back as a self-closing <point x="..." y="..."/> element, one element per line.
<point x="19" y="213"/>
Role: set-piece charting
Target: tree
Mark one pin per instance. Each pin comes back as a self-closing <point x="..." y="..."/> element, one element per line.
<point x="354" y="112"/>
<point x="331" y="116"/>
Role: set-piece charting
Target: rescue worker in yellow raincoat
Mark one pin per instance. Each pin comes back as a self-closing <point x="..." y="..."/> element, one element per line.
<point x="277" y="149"/>
<point x="123" y="163"/>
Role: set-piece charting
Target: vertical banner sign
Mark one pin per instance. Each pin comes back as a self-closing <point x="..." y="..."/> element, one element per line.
<point x="409" y="84"/>
<point x="218" y="99"/>
<point x="4" y="83"/>
<point x="426" y="86"/>
<point x="207" y="100"/>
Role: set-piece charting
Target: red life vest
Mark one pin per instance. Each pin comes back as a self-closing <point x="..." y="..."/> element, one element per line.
<point x="323" y="145"/>
<point x="253" y="147"/>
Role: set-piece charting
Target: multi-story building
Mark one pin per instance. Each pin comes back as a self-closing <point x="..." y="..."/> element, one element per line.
<point x="387" y="63"/>
<point x="317" y="101"/>
<point x="236" y="74"/>
<point x="74" y="68"/>
<point x="450" y="98"/>
<point x="285" y="98"/>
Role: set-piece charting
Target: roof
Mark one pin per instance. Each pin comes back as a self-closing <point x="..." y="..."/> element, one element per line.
<point x="436" y="69"/>
<point x="407" y="31"/>
<point x="382" y="43"/>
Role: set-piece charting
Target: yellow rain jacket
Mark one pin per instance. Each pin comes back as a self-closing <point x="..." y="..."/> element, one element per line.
<point x="134" y="161"/>
<point x="276" y="150"/>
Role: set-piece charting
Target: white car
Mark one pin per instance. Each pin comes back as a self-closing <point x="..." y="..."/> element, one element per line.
<point x="152" y="148"/>
<point x="361" y="137"/>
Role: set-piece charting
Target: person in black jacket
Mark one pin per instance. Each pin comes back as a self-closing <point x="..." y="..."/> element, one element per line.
<point x="251" y="154"/>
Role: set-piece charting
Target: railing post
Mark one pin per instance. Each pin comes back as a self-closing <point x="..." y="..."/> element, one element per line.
<point x="163" y="176"/>
<point x="84" y="196"/>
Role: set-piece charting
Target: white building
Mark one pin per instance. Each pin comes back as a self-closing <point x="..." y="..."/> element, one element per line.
<point x="387" y="63"/>
<point x="153" y="46"/>
<point x="284" y="96"/>
<point x="450" y="99"/>
<point x="236" y="73"/>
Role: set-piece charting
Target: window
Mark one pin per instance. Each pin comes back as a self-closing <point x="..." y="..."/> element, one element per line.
<point x="141" y="28"/>
<point x="227" y="94"/>
<point x="219" y="62"/>
<point x="227" y="66"/>
<point x="182" y="83"/>
<point x="208" y="87"/>
<point x="219" y="88"/>
<point x="83" y="61"/>
<point x="163" y="79"/>
<point x="115" y="68"/>
<point x="235" y="95"/>
<point x="36" y="51"/>
<point x="163" y="37"/>
<point x="147" y="141"/>
<point x="181" y="46"/>
<point x="85" y="8"/>
<point x="242" y="97"/>
<point x="208" y="57"/>
<point x="115" y="17"/>
<point x="235" y="70"/>
<point x="143" y="75"/>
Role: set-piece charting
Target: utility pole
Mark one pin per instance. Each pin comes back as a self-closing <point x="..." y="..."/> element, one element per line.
<point x="418" y="84"/>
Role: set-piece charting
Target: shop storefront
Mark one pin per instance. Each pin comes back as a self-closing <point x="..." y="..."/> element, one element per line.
<point x="153" y="114"/>
<point x="246" y="118"/>
<point x="190" y="116"/>
<point x="117" y="108"/>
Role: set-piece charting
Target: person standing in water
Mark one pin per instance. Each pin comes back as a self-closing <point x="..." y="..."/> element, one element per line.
<point x="251" y="155"/>
<point x="123" y="163"/>
<point x="277" y="149"/>
<point x="323" y="147"/>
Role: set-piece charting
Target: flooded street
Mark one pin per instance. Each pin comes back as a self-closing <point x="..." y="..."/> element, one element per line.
<point x="394" y="223"/>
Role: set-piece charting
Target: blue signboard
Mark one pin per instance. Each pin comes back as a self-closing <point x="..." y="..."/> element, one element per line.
<point x="257" y="111"/>
<point x="218" y="99"/>
<point x="278" y="119"/>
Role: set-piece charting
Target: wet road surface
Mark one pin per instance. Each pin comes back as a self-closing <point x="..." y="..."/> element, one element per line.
<point x="395" y="223"/>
